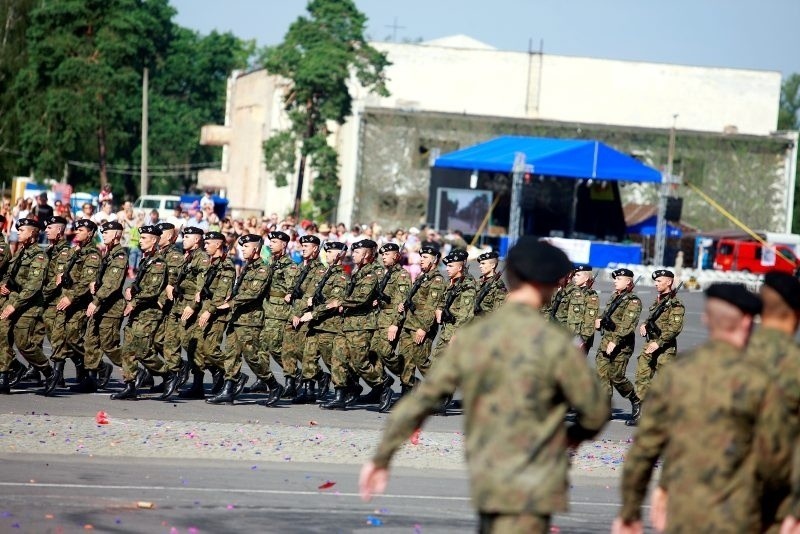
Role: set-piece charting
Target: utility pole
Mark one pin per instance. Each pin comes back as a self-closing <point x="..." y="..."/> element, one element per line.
<point x="515" y="220"/>
<point x="143" y="173"/>
<point x="666" y="183"/>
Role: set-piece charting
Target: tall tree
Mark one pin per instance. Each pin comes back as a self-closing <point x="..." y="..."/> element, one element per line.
<point x="318" y="55"/>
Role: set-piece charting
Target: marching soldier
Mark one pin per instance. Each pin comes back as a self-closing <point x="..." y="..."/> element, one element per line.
<point x="583" y="307"/>
<point x="214" y="289"/>
<point x="324" y="323"/>
<point x="392" y="289"/>
<point x="661" y="329"/>
<point x="416" y="324"/>
<point x="18" y="371"/>
<point x="246" y="303"/>
<point x="75" y="281"/>
<point x="104" y="313"/>
<point x="351" y="345"/>
<point x="557" y="309"/>
<point x="22" y="287"/>
<point x="618" y="326"/>
<point x="459" y="303"/>
<point x="144" y="313"/>
<point x="492" y="290"/>
<point x="180" y="321"/>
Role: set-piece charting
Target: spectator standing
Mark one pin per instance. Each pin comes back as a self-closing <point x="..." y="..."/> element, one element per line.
<point x="207" y="202"/>
<point x="106" y="195"/>
<point x="42" y="211"/>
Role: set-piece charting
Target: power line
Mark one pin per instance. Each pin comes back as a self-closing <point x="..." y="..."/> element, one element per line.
<point x="180" y="170"/>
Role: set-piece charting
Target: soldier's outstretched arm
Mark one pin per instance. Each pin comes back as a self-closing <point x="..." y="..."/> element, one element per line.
<point x="583" y="391"/>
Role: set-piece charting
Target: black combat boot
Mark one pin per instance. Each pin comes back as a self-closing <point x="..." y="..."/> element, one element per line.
<point x="33" y="375"/>
<point x="171" y="383"/>
<point x="184" y="373"/>
<point x="386" y="395"/>
<point x="5" y="386"/>
<point x="129" y="393"/>
<point x="17" y="372"/>
<point x="104" y="374"/>
<point x="636" y="410"/>
<point x="55" y="378"/>
<point x="338" y="402"/>
<point x="161" y="387"/>
<point x="87" y="385"/>
<point x="259" y="386"/>
<point x="376" y="394"/>
<point x="307" y="393"/>
<point x="226" y="395"/>
<point x="322" y="384"/>
<point x="443" y="406"/>
<point x="291" y="388"/>
<point x="80" y="368"/>
<point x="144" y="378"/>
<point x="353" y="392"/>
<point x="196" y="391"/>
<point x="276" y="391"/>
<point x="217" y="380"/>
<point x="241" y="380"/>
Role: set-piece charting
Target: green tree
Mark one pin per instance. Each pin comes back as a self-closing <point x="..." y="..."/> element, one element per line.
<point x="318" y="56"/>
<point x="789" y="119"/>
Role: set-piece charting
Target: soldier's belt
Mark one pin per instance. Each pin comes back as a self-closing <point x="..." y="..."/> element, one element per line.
<point x="277" y="294"/>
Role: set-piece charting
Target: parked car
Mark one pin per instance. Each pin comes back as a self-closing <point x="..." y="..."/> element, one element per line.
<point x="754" y="257"/>
<point x="165" y="204"/>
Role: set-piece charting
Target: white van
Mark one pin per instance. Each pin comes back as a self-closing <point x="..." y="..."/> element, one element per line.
<point x="165" y="204"/>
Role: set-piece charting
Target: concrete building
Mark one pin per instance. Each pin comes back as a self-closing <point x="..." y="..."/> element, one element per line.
<point x="462" y="77"/>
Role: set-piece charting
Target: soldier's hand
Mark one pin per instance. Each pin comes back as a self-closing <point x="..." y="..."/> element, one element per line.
<point x="188" y="311"/>
<point x="391" y="334"/>
<point x="197" y="297"/>
<point x="419" y="336"/>
<point x="400" y="308"/>
<point x="58" y="279"/>
<point x="92" y="288"/>
<point x="310" y="302"/>
<point x="170" y="295"/>
<point x="333" y="304"/>
<point x="7" y="311"/>
<point x="610" y="347"/>
<point x="91" y="309"/>
<point x="4" y="290"/>
<point x="372" y="480"/>
<point x="63" y="304"/>
<point x="128" y="309"/>
<point x="597" y="324"/>
<point x="375" y="303"/>
<point x="307" y="316"/>
<point x="621" y="527"/>
<point x="658" y="509"/>
<point x="651" y="347"/>
<point x="287" y="298"/>
<point x="438" y="314"/>
<point x="295" y="321"/>
<point x="202" y="321"/>
<point x="791" y="525"/>
<point x="642" y="330"/>
<point x="224" y="306"/>
<point x="128" y="293"/>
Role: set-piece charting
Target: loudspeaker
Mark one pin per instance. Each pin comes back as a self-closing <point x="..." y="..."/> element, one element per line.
<point x="674" y="209"/>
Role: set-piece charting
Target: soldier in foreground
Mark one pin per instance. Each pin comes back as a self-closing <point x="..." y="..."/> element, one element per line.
<point x="711" y="416"/>
<point x="661" y="329"/>
<point x="617" y="326"/>
<point x="492" y="290"/>
<point x="518" y="374"/>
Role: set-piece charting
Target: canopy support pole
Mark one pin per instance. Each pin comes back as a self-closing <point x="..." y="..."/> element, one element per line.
<point x="515" y="220"/>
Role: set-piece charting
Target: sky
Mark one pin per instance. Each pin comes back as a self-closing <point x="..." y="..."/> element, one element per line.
<point x="749" y="34"/>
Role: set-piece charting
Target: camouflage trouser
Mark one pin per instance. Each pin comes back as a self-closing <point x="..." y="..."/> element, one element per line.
<point x="441" y="345"/>
<point x="28" y="332"/>
<point x="292" y="349"/>
<point x="612" y="372"/>
<point x="384" y="350"/>
<point x="102" y="336"/>
<point x="647" y="365"/>
<point x="139" y="338"/>
<point x="243" y="343"/>
<point x="76" y="328"/>
<point x="6" y="341"/>
<point x="56" y="329"/>
<point x="351" y="354"/>
<point x="209" y="345"/>
<point x="170" y="337"/>
<point x="270" y="344"/>
<point x="513" y="524"/>
<point x="414" y="356"/>
<point x="318" y="345"/>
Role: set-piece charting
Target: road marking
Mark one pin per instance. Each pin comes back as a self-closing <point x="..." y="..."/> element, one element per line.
<point x="257" y="491"/>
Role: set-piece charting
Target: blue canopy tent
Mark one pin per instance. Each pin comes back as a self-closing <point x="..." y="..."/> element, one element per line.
<point x="571" y="186"/>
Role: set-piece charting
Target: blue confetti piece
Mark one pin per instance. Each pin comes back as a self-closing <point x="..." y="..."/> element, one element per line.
<point x="374" y="521"/>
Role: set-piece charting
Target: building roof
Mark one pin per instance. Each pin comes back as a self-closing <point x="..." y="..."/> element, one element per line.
<point x="459" y="41"/>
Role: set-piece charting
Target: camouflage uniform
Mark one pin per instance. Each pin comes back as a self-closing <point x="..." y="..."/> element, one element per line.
<point x="83" y="273"/>
<point x="558" y="310"/>
<point x="461" y="299"/>
<point x="103" y="328"/>
<point x="247" y="322"/>
<point x="58" y="256"/>
<point x="27" y="271"/>
<point x="491" y="294"/>
<point x="396" y="282"/>
<point x="169" y="334"/>
<point x="611" y="367"/>
<point x="145" y="318"/>
<point x="427" y="298"/>
<point x="6" y="352"/>
<point x="518" y="374"/>
<point x="670" y="322"/>
<point x="324" y="326"/>
<point x="294" y="339"/>
<point x="217" y="291"/>
<point x="276" y="313"/>
<point x="359" y="322"/>
<point x="712" y="417"/>
<point x="583" y="308"/>
<point x="180" y="334"/>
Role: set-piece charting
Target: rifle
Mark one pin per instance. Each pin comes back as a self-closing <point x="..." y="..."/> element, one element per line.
<point x="238" y="310"/>
<point x="177" y="293"/>
<point x="211" y="273"/>
<point x="590" y="282"/>
<point x="408" y="304"/>
<point x="12" y="283"/>
<point x="382" y="296"/>
<point x="318" y="298"/>
<point x="606" y="323"/>
<point x="98" y="281"/>
<point x="136" y="286"/>
<point x="652" y="331"/>
<point x="298" y="284"/>
<point x="447" y="315"/>
<point x="66" y="277"/>
<point x="485" y="288"/>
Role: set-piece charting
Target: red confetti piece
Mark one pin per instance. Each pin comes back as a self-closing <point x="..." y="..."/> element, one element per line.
<point x="415" y="437"/>
<point x="327" y="485"/>
<point x="101" y="418"/>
